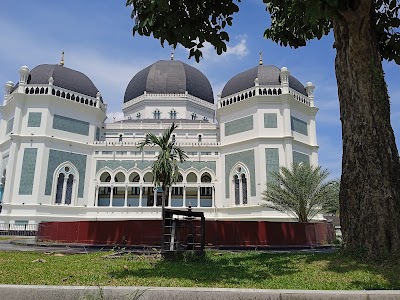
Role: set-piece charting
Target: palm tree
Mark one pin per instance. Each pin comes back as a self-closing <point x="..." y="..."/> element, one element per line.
<point x="301" y="191"/>
<point x="165" y="168"/>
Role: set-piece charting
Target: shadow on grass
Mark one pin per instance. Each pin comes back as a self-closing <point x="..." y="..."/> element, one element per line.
<point x="388" y="269"/>
<point x="262" y="270"/>
<point x="214" y="268"/>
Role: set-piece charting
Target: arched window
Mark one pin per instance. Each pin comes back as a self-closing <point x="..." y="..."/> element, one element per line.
<point x="194" y="116"/>
<point x="173" y="114"/>
<point x="66" y="188"/>
<point x="157" y="114"/>
<point x="240" y="184"/>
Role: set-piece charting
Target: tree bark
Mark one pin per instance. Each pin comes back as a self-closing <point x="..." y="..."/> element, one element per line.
<point x="370" y="182"/>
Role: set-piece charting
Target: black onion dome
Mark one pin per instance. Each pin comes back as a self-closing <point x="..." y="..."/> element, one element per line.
<point x="64" y="78"/>
<point x="266" y="74"/>
<point x="170" y="77"/>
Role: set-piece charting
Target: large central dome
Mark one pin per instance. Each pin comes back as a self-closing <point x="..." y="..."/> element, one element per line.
<point x="170" y="77"/>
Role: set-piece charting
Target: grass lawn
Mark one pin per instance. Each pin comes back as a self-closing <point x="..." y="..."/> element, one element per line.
<point x="4" y="238"/>
<point x="217" y="269"/>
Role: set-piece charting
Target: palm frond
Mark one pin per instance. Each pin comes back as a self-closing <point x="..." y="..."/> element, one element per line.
<point x="301" y="191"/>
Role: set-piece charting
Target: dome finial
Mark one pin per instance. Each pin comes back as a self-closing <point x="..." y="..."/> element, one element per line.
<point x="62" y="59"/>
<point x="260" y="62"/>
<point x="172" y="54"/>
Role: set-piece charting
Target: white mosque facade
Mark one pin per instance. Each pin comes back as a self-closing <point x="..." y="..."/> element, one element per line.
<point x="60" y="160"/>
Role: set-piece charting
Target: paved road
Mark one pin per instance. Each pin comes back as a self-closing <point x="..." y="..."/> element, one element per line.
<point x="28" y="244"/>
<point x="6" y="245"/>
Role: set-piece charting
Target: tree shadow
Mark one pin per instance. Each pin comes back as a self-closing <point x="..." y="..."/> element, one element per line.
<point x="342" y="263"/>
<point x="215" y="269"/>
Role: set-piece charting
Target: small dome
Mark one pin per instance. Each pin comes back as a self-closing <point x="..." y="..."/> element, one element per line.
<point x="64" y="78"/>
<point x="170" y="77"/>
<point x="266" y="74"/>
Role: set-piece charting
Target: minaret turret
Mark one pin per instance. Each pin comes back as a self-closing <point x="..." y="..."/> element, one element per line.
<point x="23" y="75"/>
<point x="285" y="80"/>
<point x="310" y="92"/>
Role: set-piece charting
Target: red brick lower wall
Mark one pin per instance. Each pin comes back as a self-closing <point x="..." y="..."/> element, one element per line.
<point x="218" y="233"/>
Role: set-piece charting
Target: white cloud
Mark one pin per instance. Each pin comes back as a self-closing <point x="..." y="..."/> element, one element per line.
<point x="240" y="49"/>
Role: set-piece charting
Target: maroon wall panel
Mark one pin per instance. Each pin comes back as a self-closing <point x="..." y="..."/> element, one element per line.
<point x="218" y="233"/>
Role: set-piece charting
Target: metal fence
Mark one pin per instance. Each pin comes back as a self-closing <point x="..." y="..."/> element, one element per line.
<point x="18" y="229"/>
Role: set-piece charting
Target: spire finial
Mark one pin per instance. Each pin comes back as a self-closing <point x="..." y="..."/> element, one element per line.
<point x="172" y="54"/>
<point x="62" y="59"/>
<point x="260" y="58"/>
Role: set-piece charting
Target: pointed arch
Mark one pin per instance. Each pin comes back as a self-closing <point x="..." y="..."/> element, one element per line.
<point x="65" y="184"/>
<point x="239" y="183"/>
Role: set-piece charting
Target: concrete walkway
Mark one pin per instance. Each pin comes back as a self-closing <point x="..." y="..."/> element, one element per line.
<point x="28" y="292"/>
<point x="30" y="244"/>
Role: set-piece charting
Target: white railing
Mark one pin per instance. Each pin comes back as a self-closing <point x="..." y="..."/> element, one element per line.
<point x="136" y="143"/>
<point x="261" y="91"/>
<point x="157" y="97"/>
<point x="300" y="97"/>
<point x="47" y="89"/>
<point x="159" y="124"/>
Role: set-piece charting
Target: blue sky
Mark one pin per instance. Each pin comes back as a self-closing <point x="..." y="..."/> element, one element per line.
<point x="97" y="39"/>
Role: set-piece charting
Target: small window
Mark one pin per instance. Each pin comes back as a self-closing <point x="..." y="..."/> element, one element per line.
<point x="194" y="116"/>
<point x="138" y="115"/>
<point x="172" y="114"/>
<point x="199" y="138"/>
<point x="157" y="114"/>
<point x="120" y="138"/>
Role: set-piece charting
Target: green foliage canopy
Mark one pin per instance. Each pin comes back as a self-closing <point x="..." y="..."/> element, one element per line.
<point x="302" y="191"/>
<point x="191" y="23"/>
<point x="165" y="167"/>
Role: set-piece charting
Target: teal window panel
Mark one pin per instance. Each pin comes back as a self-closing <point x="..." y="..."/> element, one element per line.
<point x="299" y="125"/>
<point x="10" y="125"/>
<point x="272" y="162"/>
<point x="270" y="120"/>
<point x="34" y="119"/>
<point x="56" y="158"/>
<point x="70" y="125"/>
<point x="239" y="125"/>
<point x="247" y="159"/>
<point x="299" y="157"/>
<point x="21" y="222"/>
<point x="28" y="171"/>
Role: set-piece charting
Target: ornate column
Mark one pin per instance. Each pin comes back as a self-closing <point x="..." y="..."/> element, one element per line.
<point x="96" y="195"/>
<point x="126" y="195"/>
<point x="111" y="195"/>
<point x="198" y="195"/>
<point x="141" y="196"/>
<point x="169" y="197"/>
<point x="184" y="196"/>
<point x="64" y="190"/>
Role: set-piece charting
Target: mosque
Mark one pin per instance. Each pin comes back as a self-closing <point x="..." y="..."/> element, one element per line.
<point x="60" y="160"/>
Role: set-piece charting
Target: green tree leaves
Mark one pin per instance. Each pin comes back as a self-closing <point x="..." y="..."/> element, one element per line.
<point x="301" y="191"/>
<point x="165" y="167"/>
<point x="186" y="22"/>
<point x="191" y="23"/>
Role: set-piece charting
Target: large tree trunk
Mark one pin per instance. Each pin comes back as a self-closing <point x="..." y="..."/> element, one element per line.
<point x="370" y="182"/>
